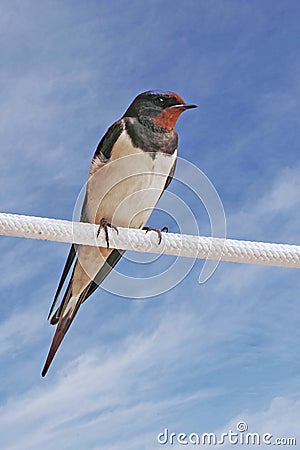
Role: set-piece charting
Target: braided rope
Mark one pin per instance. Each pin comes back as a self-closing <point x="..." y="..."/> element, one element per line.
<point x="230" y="250"/>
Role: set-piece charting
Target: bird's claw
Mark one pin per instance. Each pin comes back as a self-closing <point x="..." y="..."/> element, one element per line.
<point x="158" y="231"/>
<point x="104" y="224"/>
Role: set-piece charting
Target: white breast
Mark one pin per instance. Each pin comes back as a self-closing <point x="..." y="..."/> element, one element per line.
<point x="126" y="189"/>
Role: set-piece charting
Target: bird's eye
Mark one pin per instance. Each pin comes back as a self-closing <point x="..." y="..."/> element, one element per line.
<point x="160" y="101"/>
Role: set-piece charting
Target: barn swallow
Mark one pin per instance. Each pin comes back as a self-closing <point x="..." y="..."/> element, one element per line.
<point x="133" y="164"/>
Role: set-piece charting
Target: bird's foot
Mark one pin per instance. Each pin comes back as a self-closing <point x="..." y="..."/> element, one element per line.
<point x="105" y="225"/>
<point x="157" y="230"/>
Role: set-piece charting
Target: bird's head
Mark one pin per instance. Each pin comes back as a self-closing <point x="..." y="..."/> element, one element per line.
<point x="160" y="107"/>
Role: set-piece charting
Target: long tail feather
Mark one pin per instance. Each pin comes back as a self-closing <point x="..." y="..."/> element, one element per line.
<point x="61" y="330"/>
<point x="58" y="337"/>
<point x="65" y="313"/>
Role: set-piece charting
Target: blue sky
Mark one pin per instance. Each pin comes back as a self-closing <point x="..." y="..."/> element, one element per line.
<point x="198" y="358"/>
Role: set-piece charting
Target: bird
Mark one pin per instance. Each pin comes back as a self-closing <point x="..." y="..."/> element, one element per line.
<point x="133" y="164"/>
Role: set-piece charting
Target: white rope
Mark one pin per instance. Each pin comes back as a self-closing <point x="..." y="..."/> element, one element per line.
<point x="248" y="252"/>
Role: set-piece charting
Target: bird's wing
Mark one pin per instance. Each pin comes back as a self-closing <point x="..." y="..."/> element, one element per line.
<point x="68" y="265"/>
<point x="103" y="152"/>
<point x="111" y="136"/>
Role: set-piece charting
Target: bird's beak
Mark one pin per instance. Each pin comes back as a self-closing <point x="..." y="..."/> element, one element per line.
<point x="183" y="107"/>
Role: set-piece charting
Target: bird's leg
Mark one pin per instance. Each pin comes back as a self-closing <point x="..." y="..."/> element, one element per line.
<point x="104" y="224"/>
<point x="157" y="230"/>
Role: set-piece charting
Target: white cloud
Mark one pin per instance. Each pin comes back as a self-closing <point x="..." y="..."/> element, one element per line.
<point x="105" y="389"/>
<point x="274" y="211"/>
<point x="283" y="196"/>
